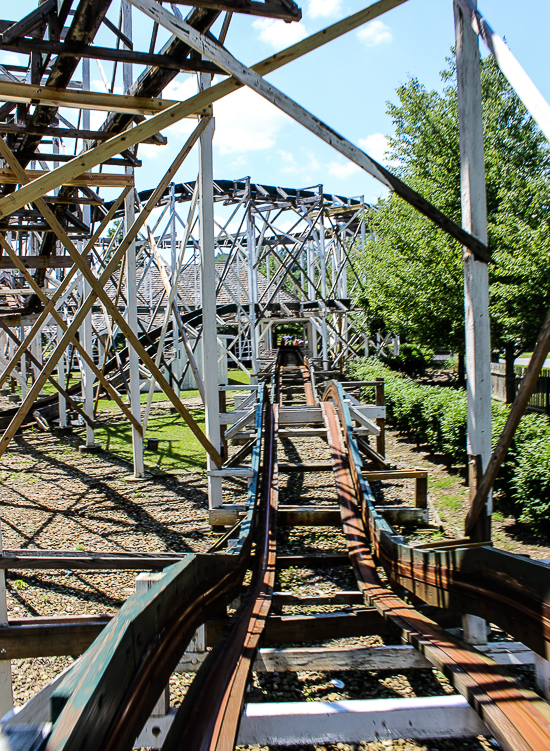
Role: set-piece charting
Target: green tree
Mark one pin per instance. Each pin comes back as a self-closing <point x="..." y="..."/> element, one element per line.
<point x="412" y="271"/>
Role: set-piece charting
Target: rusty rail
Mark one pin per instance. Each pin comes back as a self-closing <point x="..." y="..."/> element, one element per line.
<point x="518" y="719"/>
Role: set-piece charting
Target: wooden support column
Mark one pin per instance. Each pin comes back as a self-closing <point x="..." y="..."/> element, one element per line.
<point x="6" y="693"/>
<point x="61" y="376"/>
<point x="252" y="288"/>
<point x="476" y="281"/>
<point x="87" y="378"/>
<point x="208" y="296"/>
<point x="222" y="396"/>
<point x="131" y="286"/>
<point x="322" y="259"/>
<point x="476" y="277"/>
<point x="380" y="401"/>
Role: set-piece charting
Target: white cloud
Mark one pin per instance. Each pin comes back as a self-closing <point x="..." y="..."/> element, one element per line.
<point x="375" y="33"/>
<point x="324" y="8"/>
<point x="246" y="122"/>
<point x="375" y="145"/>
<point x="342" y="170"/>
<point x="305" y="164"/>
<point x="277" y="33"/>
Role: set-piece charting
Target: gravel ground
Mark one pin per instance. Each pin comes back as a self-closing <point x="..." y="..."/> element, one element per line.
<point x="54" y="497"/>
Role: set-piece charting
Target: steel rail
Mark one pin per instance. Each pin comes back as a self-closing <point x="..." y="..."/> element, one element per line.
<point x="106" y="699"/>
<point x="208" y="719"/>
<point x="517" y="718"/>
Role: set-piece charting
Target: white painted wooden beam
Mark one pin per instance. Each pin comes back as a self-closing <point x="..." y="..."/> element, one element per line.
<point x="476" y="273"/>
<point x="241" y="423"/>
<point x="290" y="723"/>
<point x="518" y="78"/>
<point x="299" y="723"/>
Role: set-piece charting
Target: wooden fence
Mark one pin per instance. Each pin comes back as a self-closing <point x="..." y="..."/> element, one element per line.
<point x="539" y="401"/>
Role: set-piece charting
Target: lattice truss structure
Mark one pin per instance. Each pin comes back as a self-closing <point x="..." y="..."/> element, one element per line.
<point x="70" y="292"/>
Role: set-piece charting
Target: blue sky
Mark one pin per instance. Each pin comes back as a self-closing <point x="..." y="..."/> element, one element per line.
<point x="346" y="83"/>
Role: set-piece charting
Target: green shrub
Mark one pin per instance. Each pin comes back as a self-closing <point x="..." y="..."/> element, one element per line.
<point x="438" y="416"/>
<point x="412" y="359"/>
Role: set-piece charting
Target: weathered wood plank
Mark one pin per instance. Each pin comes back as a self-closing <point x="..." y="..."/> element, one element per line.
<point x="83" y="180"/>
<point x="309" y="516"/>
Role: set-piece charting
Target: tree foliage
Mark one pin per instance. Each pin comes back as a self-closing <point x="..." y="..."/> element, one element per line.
<point x="413" y="272"/>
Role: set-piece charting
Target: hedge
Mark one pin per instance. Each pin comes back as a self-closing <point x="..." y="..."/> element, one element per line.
<point x="437" y="416"/>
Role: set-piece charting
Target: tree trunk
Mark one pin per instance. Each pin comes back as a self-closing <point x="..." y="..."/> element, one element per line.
<point x="461" y="370"/>
<point x="510" y="356"/>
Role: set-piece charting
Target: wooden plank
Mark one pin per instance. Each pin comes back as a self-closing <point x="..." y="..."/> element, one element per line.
<point x="50" y="638"/>
<point x="40" y="262"/>
<point x="284" y="629"/>
<point x="309" y="516"/>
<point x="328" y="659"/>
<point x="355" y="721"/>
<point x="305" y="467"/>
<point x="328" y="560"/>
<point x="353" y="597"/>
<point x="83" y="180"/>
<point x="86" y="100"/>
<point x="405" y="514"/>
<point x="87" y="563"/>
<point x="30" y="21"/>
<point x="48" y="47"/>
<point x="303" y="415"/>
<point x="287" y="11"/>
<point x="307" y="723"/>
<point x="394" y="474"/>
<point x="53" y="132"/>
<point x="302" y="432"/>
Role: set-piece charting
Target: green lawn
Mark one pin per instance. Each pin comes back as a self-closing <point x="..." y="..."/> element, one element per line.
<point x="178" y="447"/>
<point x="179" y="450"/>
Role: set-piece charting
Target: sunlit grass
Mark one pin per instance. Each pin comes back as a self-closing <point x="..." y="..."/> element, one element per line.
<point x="179" y="449"/>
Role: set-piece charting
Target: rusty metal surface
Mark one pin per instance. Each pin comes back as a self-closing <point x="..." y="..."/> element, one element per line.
<point x="208" y="719"/>
<point x="518" y="719"/>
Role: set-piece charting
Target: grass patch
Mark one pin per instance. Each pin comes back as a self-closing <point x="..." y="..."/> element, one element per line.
<point x="178" y="447"/>
<point x="450" y="502"/>
<point x="445" y="482"/>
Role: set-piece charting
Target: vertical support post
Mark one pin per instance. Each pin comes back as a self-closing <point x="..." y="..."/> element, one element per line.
<point x="476" y="281"/>
<point x="131" y="289"/>
<point x="61" y="377"/>
<point x="177" y="365"/>
<point x="87" y="377"/>
<point x="208" y="292"/>
<point x="380" y="399"/>
<point x="222" y="394"/>
<point x="87" y="390"/>
<point x="421" y="491"/>
<point x="476" y="278"/>
<point x="322" y="259"/>
<point x="252" y="287"/>
<point x="23" y="362"/>
<point x="6" y="693"/>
